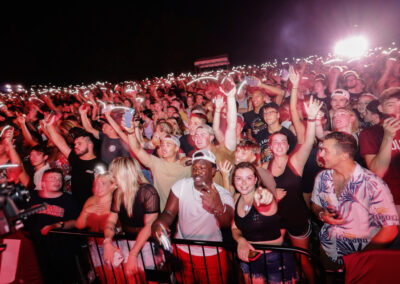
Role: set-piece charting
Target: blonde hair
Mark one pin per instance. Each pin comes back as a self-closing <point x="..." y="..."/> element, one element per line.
<point x="354" y="125"/>
<point x="128" y="177"/>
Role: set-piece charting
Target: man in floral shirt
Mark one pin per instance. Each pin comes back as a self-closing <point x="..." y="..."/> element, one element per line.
<point x="355" y="205"/>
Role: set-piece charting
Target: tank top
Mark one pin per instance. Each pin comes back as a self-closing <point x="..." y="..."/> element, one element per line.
<point x="256" y="227"/>
<point x="292" y="209"/>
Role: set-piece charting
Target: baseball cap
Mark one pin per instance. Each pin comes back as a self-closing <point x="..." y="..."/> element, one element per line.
<point x="204" y="155"/>
<point x="341" y="92"/>
<point x="372" y="106"/>
<point x="350" y="73"/>
<point x="173" y="139"/>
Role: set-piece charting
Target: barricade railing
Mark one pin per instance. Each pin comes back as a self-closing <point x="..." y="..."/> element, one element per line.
<point x="158" y="266"/>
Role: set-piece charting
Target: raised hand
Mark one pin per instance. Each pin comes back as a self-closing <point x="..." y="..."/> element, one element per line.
<point x="219" y="103"/>
<point x="225" y="168"/>
<point x="294" y="77"/>
<point x="313" y="108"/>
<point x="390" y="126"/>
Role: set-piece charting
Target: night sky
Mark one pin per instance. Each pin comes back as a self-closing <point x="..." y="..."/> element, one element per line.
<point x="71" y="44"/>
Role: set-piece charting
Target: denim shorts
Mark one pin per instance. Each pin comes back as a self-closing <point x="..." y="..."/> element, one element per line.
<point x="276" y="262"/>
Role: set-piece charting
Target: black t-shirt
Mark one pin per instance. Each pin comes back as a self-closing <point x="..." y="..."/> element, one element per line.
<point x="62" y="208"/>
<point x="262" y="138"/>
<point x="111" y="148"/>
<point x="54" y="252"/>
<point x="254" y="122"/>
<point x="146" y="201"/>
<point x="82" y="176"/>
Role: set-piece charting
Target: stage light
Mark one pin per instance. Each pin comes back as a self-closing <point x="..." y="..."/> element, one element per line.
<point x="351" y="47"/>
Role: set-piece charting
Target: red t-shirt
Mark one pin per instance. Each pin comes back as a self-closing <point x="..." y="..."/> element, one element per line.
<point x="370" y="140"/>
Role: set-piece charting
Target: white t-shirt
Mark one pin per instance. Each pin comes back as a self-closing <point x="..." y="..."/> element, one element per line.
<point x="194" y="222"/>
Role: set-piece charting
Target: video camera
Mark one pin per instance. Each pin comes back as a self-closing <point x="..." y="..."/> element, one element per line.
<point x="13" y="196"/>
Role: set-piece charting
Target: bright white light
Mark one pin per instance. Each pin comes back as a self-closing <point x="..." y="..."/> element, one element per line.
<point x="351" y="47"/>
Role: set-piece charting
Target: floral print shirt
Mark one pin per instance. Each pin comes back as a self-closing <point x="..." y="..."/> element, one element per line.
<point x="365" y="204"/>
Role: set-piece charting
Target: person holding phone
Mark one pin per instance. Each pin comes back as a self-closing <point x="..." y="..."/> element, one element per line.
<point x="256" y="221"/>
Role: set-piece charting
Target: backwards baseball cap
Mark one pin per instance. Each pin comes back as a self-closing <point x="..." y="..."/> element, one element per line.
<point x="372" y="106"/>
<point x="172" y="138"/>
<point x="342" y="93"/>
<point x="350" y="73"/>
<point x="204" y="155"/>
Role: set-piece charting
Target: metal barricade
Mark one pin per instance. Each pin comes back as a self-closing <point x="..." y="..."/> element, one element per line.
<point x="160" y="267"/>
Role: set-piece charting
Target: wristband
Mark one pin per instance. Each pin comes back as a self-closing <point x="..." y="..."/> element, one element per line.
<point x="130" y="133"/>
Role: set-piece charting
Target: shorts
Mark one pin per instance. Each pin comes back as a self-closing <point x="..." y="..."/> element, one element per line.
<point x="278" y="264"/>
<point x="300" y="230"/>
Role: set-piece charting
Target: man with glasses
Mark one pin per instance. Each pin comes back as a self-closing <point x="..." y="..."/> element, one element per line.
<point x="270" y="115"/>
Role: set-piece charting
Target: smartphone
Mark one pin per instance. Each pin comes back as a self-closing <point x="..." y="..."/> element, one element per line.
<point x="253" y="255"/>
<point x="251" y="81"/>
<point x="128" y="115"/>
<point x="333" y="210"/>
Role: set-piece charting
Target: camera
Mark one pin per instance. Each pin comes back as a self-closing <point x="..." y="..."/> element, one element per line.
<point x="12" y="198"/>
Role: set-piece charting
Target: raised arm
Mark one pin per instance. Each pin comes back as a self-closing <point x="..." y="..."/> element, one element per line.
<point x="83" y="110"/>
<point x="278" y="92"/>
<point x="134" y="145"/>
<point x="300" y="157"/>
<point x="14" y="158"/>
<point x="25" y="131"/>
<point x="230" y="134"/>
<point x="379" y="163"/>
<point x="297" y="123"/>
<point x="57" y="138"/>
<point x="390" y="63"/>
<point x="115" y="125"/>
<point x="219" y="135"/>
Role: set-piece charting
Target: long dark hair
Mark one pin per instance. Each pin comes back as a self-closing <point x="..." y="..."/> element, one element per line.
<point x="247" y="165"/>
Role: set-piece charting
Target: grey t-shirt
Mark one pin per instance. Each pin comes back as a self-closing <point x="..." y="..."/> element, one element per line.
<point x="111" y="148"/>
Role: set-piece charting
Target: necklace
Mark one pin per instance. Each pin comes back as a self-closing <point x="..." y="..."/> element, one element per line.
<point x="246" y="208"/>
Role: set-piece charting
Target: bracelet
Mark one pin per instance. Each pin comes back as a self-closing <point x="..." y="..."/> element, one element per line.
<point x="130" y="133"/>
<point x="311" y="119"/>
<point x="62" y="224"/>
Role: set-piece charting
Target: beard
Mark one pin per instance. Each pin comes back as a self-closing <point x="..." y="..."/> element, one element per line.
<point x="82" y="152"/>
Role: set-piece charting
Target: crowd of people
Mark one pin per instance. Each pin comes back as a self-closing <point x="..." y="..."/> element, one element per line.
<point x="253" y="154"/>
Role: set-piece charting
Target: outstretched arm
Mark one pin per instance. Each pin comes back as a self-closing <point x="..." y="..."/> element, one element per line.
<point x="56" y="137"/>
<point x="230" y="134"/>
<point x="219" y="135"/>
<point x="86" y="123"/>
<point x="298" y="125"/>
<point x="300" y="157"/>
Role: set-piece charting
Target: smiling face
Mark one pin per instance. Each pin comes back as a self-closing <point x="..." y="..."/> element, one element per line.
<point x="279" y="144"/>
<point x="202" y="173"/>
<point x="244" y="180"/>
<point x="271" y="116"/>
